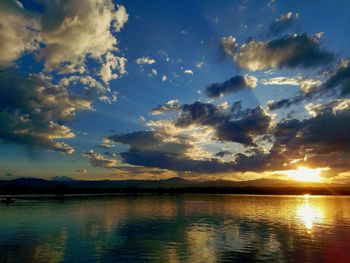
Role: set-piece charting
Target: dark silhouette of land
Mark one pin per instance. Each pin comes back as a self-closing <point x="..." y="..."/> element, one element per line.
<point x="63" y="186"/>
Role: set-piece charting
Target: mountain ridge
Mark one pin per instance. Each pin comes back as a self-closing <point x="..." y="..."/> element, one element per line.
<point x="173" y="182"/>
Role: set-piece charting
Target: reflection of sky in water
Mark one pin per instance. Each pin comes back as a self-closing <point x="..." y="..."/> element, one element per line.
<point x="190" y="228"/>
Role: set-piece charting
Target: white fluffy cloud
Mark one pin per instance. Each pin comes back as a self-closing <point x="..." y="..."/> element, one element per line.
<point x="154" y="72"/>
<point x="306" y="84"/>
<point x="188" y="72"/>
<point x="112" y="62"/>
<point x="76" y="29"/>
<point x="98" y="160"/>
<point x="18" y="32"/>
<point x="35" y="108"/>
<point x="171" y="105"/>
<point x="145" y="60"/>
<point x="293" y="51"/>
<point x="69" y="31"/>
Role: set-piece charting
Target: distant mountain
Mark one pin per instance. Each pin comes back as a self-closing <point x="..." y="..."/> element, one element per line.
<point x="263" y="182"/>
<point x="27" y="182"/>
<point x="63" y="179"/>
<point x="63" y="184"/>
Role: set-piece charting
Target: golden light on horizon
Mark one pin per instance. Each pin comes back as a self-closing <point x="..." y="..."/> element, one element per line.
<point x="305" y="174"/>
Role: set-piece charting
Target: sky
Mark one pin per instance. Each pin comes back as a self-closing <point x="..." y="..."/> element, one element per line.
<point x="239" y="90"/>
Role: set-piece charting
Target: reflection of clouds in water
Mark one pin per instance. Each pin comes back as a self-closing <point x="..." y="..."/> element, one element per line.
<point x="234" y="237"/>
<point x="185" y="228"/>
<point x="229" y="239"/>
<point x="202" y="243"/>
<point x="51" y="249"/>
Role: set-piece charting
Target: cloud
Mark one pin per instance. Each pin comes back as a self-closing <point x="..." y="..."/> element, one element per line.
<point x="340" y="79"/>
<point x="199" y="113"/>
<point x="152" y="149"/>
<point x="112" y="62"/>
<point x="234" y="84"/>
<point x="254" y="122"/>
<point x="107" y="143"/>
<point x="145" y="60"/>
<point x="306" y="85"/>
<point x="335" y="106"/>
<point x="154" y="72"/>
<point x="18" y="32"/>
<point x="164" y="78"/>
<point x="293" y="51"/>
<point x="188" y="72"/>
<point x="64" y="35"/>
<point x="321" y="137"/>
<point x="200" y="64"/>
<point x="170" y="147"/>
<point x="120" y="18"/>
<point x="233" y="126"/>
<point x="98" y="160"/>
<point x="76" y="29"/>
<point x="33" y="111"/>
<point x="293" y="81"/>
<point x="283" y="23"/>
<point x="150" y="141"/>
<point x="176" y="163"/>
<point x="229" y="45"/>
<point x="337" y="85"/>
<point x="171" y="105"/>
<point x="223" y="153"/>
<point x="310" y="142"/>
<point x="285" y="103"/>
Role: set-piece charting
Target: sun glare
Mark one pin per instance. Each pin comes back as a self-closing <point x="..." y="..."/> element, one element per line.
<point x="305" y="174"/>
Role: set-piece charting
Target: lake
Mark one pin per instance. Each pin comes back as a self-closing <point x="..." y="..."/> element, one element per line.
<point x="177" y="228"/>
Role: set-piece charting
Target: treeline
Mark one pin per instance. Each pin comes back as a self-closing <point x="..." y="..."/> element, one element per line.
<point x="63" y="189"/>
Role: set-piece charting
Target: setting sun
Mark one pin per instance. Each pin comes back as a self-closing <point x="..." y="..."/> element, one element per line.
<point x="305" y="174"/>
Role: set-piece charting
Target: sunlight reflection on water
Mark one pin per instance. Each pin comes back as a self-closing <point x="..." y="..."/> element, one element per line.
<point x="310" y="214"/>
<point x="179" y="228"/>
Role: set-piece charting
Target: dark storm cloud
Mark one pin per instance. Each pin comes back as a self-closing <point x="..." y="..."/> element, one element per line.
<point x="150" y="141"/>
<point x="154" y="149"/>
<point x="255" y="122"/>
<point x="314" y="142"/>
<point x="283" y="23"/>
<point x="201" y="114"/>
<point x="285" y="103"/>
<point x="175" y="162"/>
<point x="327" y="133"/>
<point x="234" y="84"/>
<point x="340" y="79"/>
<point x="260" y="161"/>
<point x="293" y="51"/>
<point x="149" y="149"/>
<point x="337" y="85"/>
<point x="222" y="153"/>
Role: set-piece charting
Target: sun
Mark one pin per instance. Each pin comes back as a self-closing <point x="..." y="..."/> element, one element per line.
<point x="305" y="174"/>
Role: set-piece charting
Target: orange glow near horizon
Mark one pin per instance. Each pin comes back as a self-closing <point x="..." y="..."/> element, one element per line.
<point x="305" y="174"/>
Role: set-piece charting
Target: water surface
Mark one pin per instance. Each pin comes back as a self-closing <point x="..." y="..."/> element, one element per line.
<point x="177" y="228"/>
